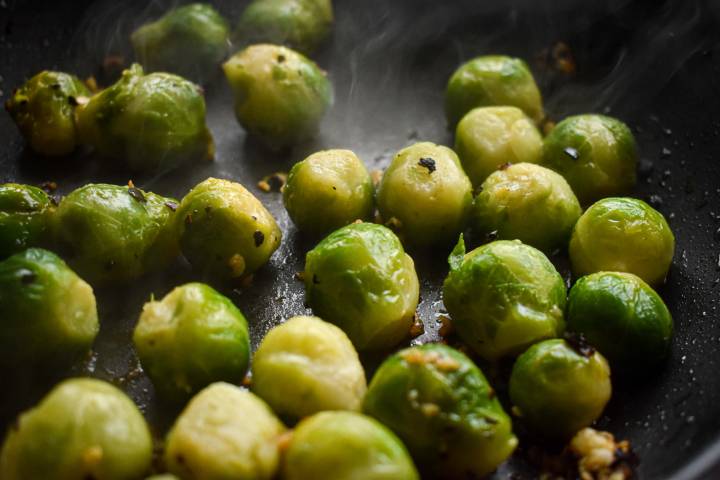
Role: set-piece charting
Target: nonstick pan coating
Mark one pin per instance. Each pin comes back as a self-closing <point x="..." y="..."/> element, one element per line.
<point x="654" y="64"/>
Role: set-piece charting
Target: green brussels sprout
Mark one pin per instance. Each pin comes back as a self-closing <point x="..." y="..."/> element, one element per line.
<point x="224" y="433"/>
<point x="440" y="404"/>
<point x="191" y="338"/>
<point x="492" y="80"/>
<point x="529" y="203"/>
<point x="113" y="233"/>
<point x="224" y="230"/>
<point x="489" y="137"/>
<point x="48" y="312"/>
<point x="503" y="297"/>
<point x="190" y="41"/>
<point x="299" y="24"/>
<point x="84" y="428"/>
<point x="152" y="122"/>
<point x="328" y="190"/>
<point x="596" y="154"/>
<point x="623" y="317"/>
<point x="360" y="278"/>
<point x="25" y="213"/>
<point x="425" y="195"/>
<point x="305" y="365"/>
<point x="44" y="110"/>
<point x="280" y="96"/>
<point x="558" y="388"/>
<point x="622" y="235"/>
<point x="346" y="446"/>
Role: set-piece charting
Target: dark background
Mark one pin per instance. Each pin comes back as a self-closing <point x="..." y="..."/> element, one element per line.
<point x="654" y="64"/>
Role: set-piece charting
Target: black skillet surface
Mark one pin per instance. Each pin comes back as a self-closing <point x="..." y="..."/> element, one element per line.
<point x="656" y="65"/>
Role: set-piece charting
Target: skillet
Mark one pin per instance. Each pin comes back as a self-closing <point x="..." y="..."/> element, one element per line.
<point x="653" y="64"/>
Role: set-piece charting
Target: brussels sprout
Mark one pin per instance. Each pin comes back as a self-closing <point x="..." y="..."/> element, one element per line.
<point x="83" y="428"/>
<point x="596" y="154"/>
<point x="152" y="122"/>
<point x="280" y="96"/>
<point x="440" y="404"/>
<point x="425" y="195"/>
<point x="623" y="317"/>
<point x="558" y="388"/>
<point x="25" y="213"/>
<point x="346" y="446"/>
<point x="360" y="278"/>
<point x="299" y="24"/>
<point x="48" y="312"/>
<point x="503" y="296"/>
<point x="489" y="137"/>
<point x="191" y="338"/>
<point x="44" y="110"/>
<point x="190" y="41"/>
<point x="224" y="433"/>
<point x="492" y="80"/>
<point x="529" y="203"/>
<point x="622" y="235"/>
<point x="112" y="233"/>
<point x="305" y="366"/>
<point x="328" y="190"/>
<point x="224" y="230"/>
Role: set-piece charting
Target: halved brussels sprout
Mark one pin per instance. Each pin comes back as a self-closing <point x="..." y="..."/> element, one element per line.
<point x="152" y="122"/>
<point x="622" y="235"/>
<point x="298" y="24"/>
<point x="25" y="213"/>
<point x="492" y="80"/>
<point x="113" y="233"/>
<point x="529" y="203"/>
<point x="346" y="446"/>
<point x="623" y="317"/>
<point x="48" y="312"/>
<point x="191" y="338"/>
<point x="305" y="365"/>
<point x="440" y="404"/>
<point x="503" y="296"/>
<point x="596" y="154"/>
<point x="558" y="388"/>
<point x="489" y="137"/>
<point x="44" y="111"/>
<point x="360" y="278"/>
<point x="328" y="190"/>
<point x="425" y="195"/>
<point x="224" y="230"/>
<point x="83" y="428"/>
<point x="280" y="96"/>
<point x="224" y="433"/>
<point x="190" y="41"/>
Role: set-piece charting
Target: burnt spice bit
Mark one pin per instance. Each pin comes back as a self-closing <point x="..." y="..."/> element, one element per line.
<point x="572" y="153"/>
<point x="48" y="186"/>
<point x="504" y="166"/>
<point x="578" y="343"/>
<point x="171" y="205"/>
<point x="137" y="194"/>
<point x="281" y="58"/>
<point x="428" y="163"/>
<point x="259" y="238"/>
<point x="188" y="219"/>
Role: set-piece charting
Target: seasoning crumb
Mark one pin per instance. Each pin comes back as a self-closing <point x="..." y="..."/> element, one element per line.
<point x="376" y="176"/>
<point x="300" y="276"/>
<point x="247" y="380"/>
<point x="236" y="264"/>
<point x="137" y="194"/>
<point x="283" y="441"/>
<point x="417" y="328"/>
<point x="446" y="326"/>
<point x="171" y="205"/>
<point x="428" y="163"/>
<point x="504" y="166"/>
<point x="48" y="186"/>
<point x="600" y="457"/>
<point x="274" y="182"/>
